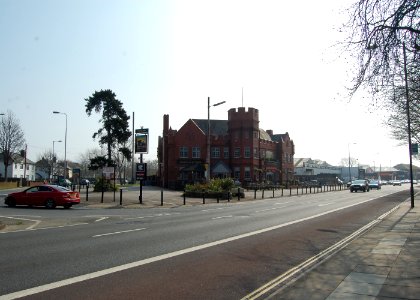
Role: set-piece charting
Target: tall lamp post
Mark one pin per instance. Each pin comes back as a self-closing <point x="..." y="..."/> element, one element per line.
<point x="407" y="108"/>
<point x="348" y="147"/>
<point x="52" y="161"/>
<point x="208" y="137"/>
<point x="65" y="144"/>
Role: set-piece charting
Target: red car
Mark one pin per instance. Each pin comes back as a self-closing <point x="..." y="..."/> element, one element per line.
<point x="49" y="196"/>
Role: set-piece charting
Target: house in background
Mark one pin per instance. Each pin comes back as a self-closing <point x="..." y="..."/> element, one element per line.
<point x="239" y="149"/>
<point x="20" y="168"/>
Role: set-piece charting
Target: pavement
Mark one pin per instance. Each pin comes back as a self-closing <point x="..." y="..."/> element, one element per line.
<point x="382" y="263"/>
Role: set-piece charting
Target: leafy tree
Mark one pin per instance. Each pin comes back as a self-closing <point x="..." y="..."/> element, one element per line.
<point x="115" y="127"/>
<point x="12" y="139"/>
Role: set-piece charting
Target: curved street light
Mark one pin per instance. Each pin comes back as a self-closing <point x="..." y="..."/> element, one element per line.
<point x="208" y="136"/>
<point x="65" y="144"/>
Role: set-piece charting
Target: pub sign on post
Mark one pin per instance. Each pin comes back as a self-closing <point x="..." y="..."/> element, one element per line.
<point x="142" y="140"/>
<point x="141" y="171"/>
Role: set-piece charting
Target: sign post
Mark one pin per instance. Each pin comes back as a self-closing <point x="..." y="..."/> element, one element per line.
<point x="141" y="146"/>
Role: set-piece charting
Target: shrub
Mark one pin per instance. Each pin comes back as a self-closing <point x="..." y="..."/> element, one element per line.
<point x="105" y="183"/>
<point x="215" y="185"/>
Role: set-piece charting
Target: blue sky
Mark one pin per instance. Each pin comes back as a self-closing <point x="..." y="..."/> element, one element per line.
<point x="167" y="57"/>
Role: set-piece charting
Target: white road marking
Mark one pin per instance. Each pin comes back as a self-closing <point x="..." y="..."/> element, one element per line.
<point x="222" y="217"/>
<point x="267" y="209"/>
<point x="22" y="216"/>
<point x="325" y="204"/>
<point x="299" y="271"/>
<point x="43" y="228"/>
<point x="36" y="222"/>
<point x="101" y="219"/>
<point x="69" y="281"/>
<point x="280" y="203"/>
<point x="117" y="232"/>
<point x="211" y="209"/>
<point x="33" y="225"/>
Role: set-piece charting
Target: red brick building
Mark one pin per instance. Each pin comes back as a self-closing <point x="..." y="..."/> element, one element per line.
<point x="238" y="149"/>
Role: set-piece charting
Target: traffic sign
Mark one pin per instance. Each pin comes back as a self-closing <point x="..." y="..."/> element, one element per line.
<point x="141" y="171"/>
<point x="414" y="149"/>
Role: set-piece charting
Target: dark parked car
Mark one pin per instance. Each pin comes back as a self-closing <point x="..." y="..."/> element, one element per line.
<point x="84" y="182"/>
<point x="359" y="185"/>
<point x="49" y="196"/>
<point x="64" y="182"/>
<point x="374" y="184"/>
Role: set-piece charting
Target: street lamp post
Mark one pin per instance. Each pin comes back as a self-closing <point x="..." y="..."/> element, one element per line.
<point x="348" y="147"/>
<point x="208" y="137"/>
<point x="65" y="144"/>
<point x="407" y="108"/>
<point x="52" y="161"/>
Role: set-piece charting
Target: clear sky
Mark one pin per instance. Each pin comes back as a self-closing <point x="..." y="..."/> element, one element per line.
<point x="166" y="57"/>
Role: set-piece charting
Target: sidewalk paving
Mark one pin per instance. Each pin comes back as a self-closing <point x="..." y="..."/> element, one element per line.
<point x="383" y="263"/>
<point x="153" y="196"/>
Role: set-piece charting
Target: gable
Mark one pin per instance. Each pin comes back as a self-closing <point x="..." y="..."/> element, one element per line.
<point x="221" y="168"/>
<point x="190" y="133"/>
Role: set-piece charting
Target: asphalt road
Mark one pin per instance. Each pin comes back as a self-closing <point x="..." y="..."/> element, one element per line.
<point x="217" y="251"/>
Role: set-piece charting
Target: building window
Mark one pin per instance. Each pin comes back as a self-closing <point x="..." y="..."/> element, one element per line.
<point x="247" y="152"/>
<point x="255" y="152"/>
<point x="226" y="152"/>
<point x="196" y="153"/>
<point x="247" y="173"/>
<point x="15" y="166"/>
<point x="237" y="153"/>
<point x="21" y="167"/>
<point x="183" y="152"/>
<point x="237" y="173"/>
<point x="215" y="152"/>
<point x="27" y="168"/>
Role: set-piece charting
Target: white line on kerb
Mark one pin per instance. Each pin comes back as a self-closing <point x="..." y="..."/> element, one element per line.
<point x="65" y="282"/>
<point x="118" y="232"/>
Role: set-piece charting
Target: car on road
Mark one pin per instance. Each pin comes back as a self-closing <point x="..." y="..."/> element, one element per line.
<point x="396" y="182"/>
<point x="49" y="196"/>
<point x="64" y="182"/>
<point x="84" y="181"/>
<point x="359" y="185"/>
<point x="375" y="184"/>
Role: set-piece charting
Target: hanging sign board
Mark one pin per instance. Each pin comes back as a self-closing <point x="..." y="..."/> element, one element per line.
<point x="142" y="140"/>
<point x="141" y="171"/>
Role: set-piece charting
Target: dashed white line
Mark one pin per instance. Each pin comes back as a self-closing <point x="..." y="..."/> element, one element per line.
<point x="101" y="219"/>
<point x="211" y="209"/>
<point x="118" y="232"/>
<point x="267" y="209"/>
<point x="222" y="217"/>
